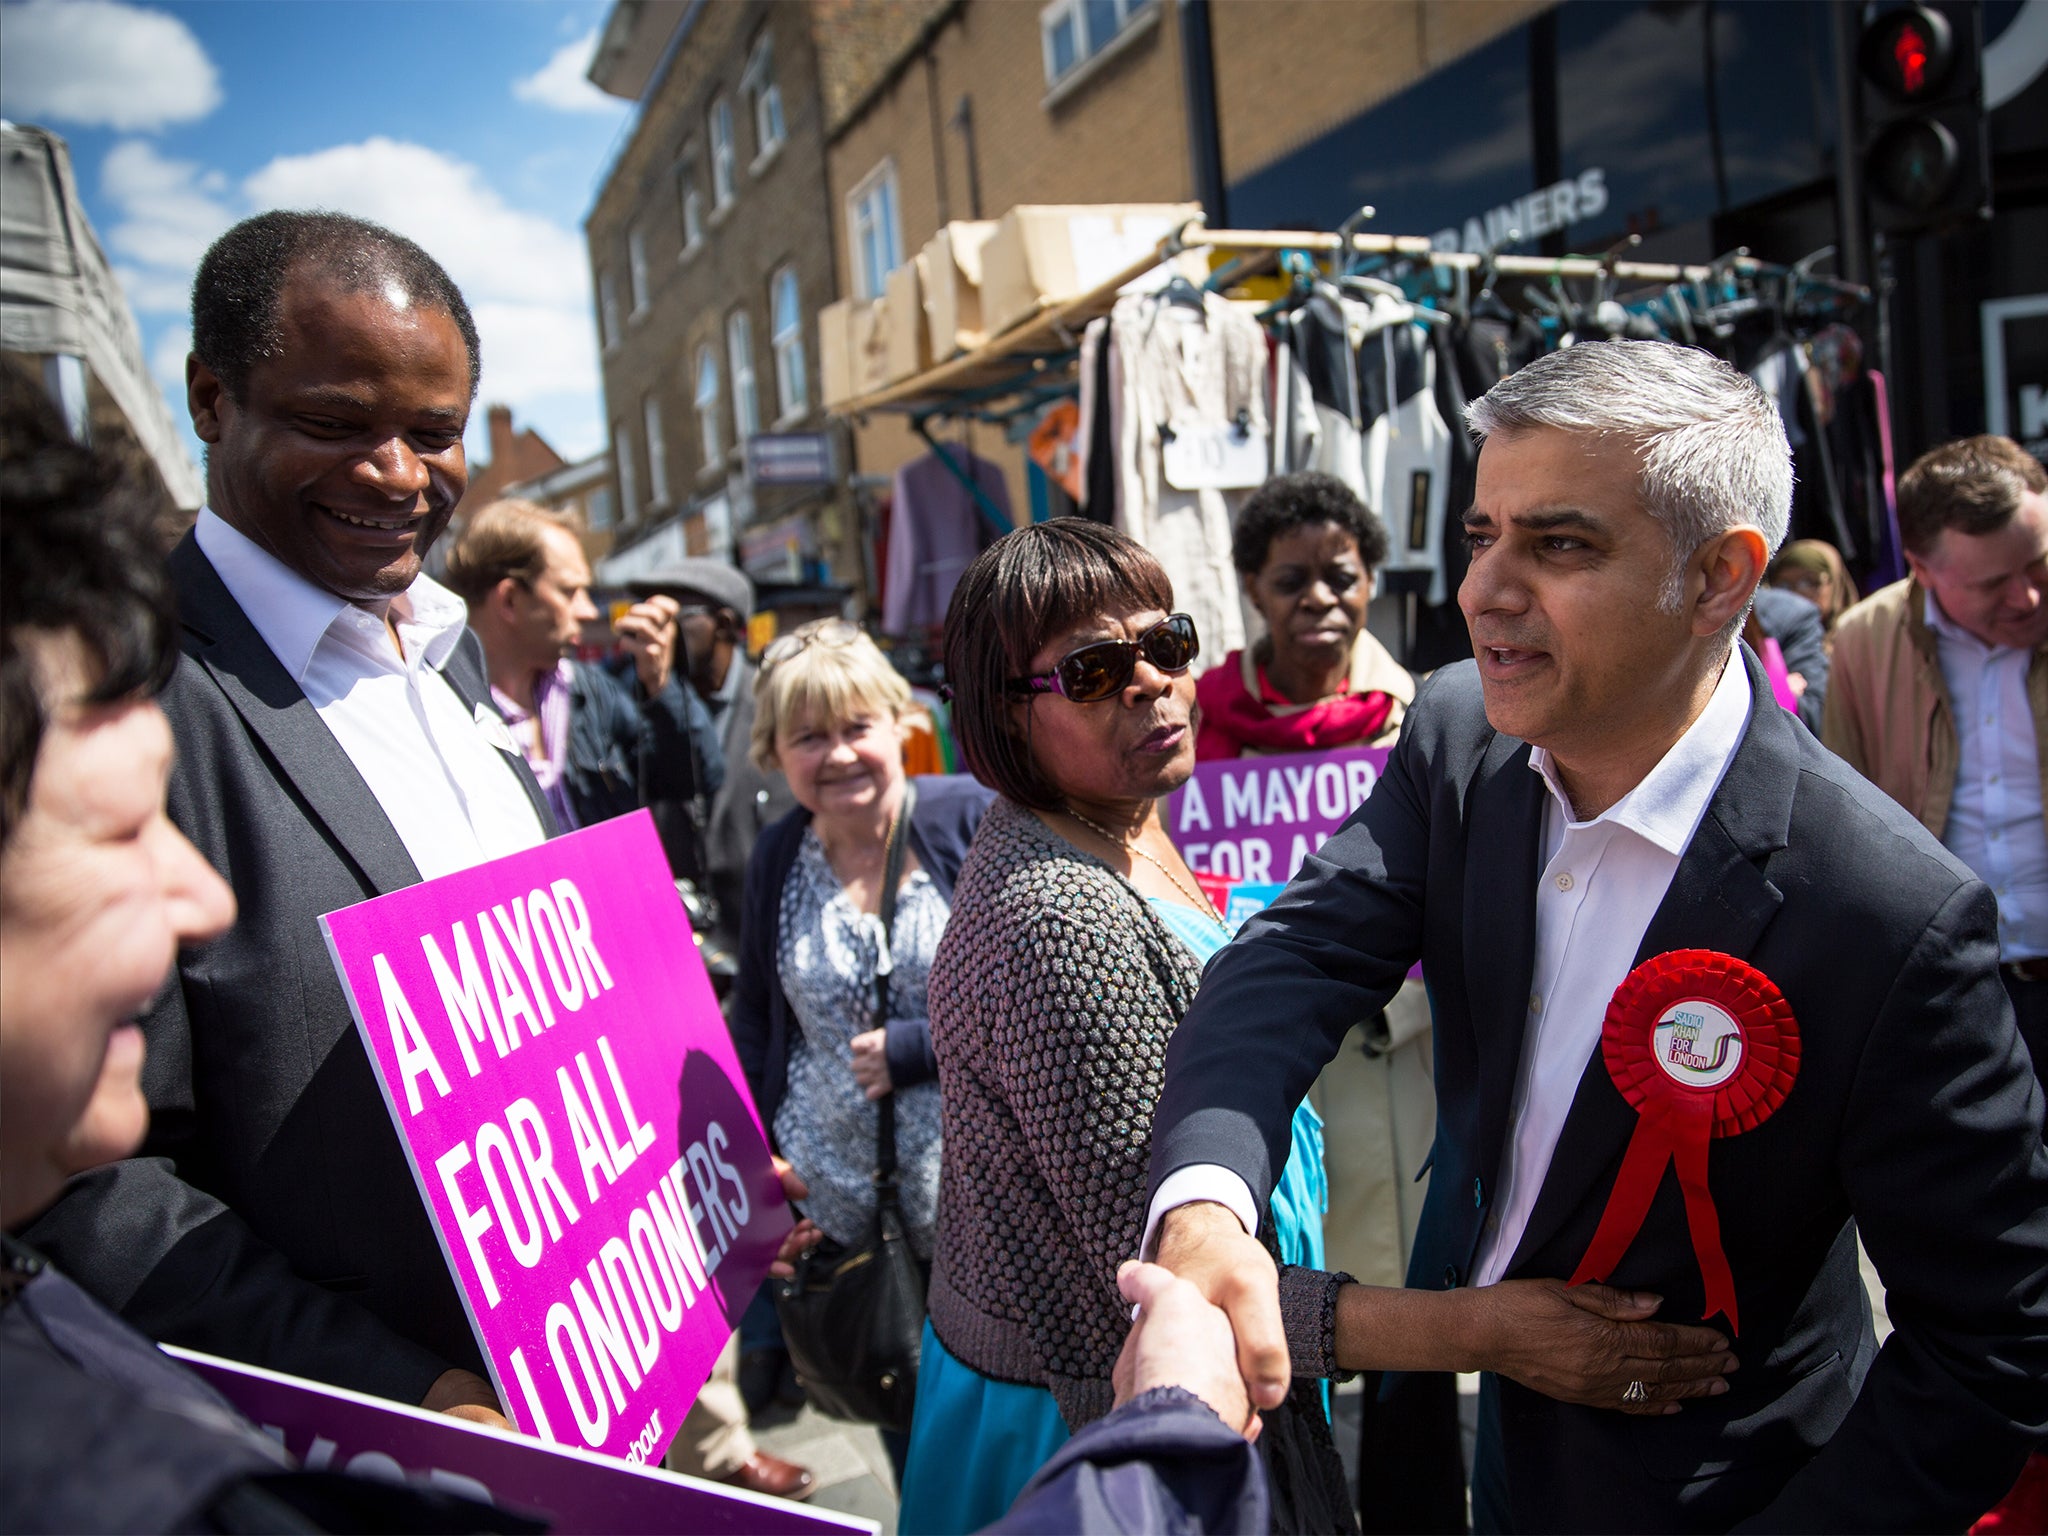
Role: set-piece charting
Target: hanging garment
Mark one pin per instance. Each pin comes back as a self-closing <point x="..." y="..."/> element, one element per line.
<point x="935" y="531"/>
<point x="1183" y="374"/>
<point x="1406" y="448"/>
<point x="1440" y="634"/>
<point x="1053" y="449"/>
<point x="1096" y="437"/>
<point x="1317" y="424"/>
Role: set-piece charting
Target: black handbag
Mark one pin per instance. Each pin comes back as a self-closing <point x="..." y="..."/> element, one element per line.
<point x="853" y="1318"/>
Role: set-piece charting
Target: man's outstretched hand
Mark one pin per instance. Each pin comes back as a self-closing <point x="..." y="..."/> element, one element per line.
<point x="1204" y="1244"/>
<point x="1178" y="1340"/>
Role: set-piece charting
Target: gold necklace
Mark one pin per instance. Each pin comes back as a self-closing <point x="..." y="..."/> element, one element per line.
<point x="1201" y="903"/>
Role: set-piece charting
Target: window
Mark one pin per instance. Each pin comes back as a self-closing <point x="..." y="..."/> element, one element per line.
<point x="692" y="195"/>
<point x="636" y="267"/>
<point x="746" y="400"/>
<point x="759" y="82"/>
<point x="657" y="453"/>
<point x="786" y="336"/>
<point x="1075" y="31"/>
<point x="722" y="152"/>
<point x="597" y="509"/>
<point x="622" y="468"/>
<point x="608" y="311"/>
<point x="707" y="406"/>
<point x="875" y="238"/>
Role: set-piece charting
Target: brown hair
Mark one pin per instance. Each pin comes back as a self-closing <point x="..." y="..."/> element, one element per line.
<point x="1021" y="591"/>
<point x="506" y="538"/>
<point x="1972" y="485"/>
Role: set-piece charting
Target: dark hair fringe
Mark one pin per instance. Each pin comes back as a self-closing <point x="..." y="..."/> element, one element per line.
<point x="1287" y="502"/>
<point x="77" y="556"/>
<point x="1019" y="593"/>
<point x="1973" y="485"/>
<point x="235" y="296"/>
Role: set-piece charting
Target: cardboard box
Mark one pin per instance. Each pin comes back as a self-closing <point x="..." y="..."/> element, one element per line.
<point x="905" y="346"/>
<point x="952" y="287"/>
<point x="853" y="357"/>
<point x="1041" y="255"/>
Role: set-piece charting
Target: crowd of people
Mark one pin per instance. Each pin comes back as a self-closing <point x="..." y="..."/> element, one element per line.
<point x="1702" y="860"/>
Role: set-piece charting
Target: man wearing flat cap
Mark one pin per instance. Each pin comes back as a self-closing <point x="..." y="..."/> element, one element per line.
<point x="716" y="600"/>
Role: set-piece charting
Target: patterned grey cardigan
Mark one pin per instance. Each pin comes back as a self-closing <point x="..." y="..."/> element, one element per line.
<point x="1053" y="993"/>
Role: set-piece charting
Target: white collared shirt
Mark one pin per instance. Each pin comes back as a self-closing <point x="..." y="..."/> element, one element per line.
<point x="1602" y="882"/>
<point x="1994" y="822"/>
<point x="443" y="774"/>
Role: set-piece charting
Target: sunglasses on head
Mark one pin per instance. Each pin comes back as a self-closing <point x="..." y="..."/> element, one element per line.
<point x="1104" y="668"/>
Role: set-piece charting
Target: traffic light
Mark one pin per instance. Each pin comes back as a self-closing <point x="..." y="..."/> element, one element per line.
<point x="1925" y="150"/>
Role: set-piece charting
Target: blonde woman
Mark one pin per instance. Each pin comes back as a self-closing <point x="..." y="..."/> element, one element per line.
<point x="828" y="713"/>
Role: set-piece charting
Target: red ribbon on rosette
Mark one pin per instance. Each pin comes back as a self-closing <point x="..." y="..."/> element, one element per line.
<point x="1702" y="1045"/>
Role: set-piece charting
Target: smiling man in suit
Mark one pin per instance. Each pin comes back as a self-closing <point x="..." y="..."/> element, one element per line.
<point x="335" y="741"/>
<point x="1608" y="783"/>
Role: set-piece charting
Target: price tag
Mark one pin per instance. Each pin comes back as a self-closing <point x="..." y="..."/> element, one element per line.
<point x="1211" y="458"/>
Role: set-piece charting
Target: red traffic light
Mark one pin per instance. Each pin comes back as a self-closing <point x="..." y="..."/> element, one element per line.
<point x="1907" y="53"/>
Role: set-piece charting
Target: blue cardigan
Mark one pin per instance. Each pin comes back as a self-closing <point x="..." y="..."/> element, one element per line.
<point x="942" y="826"/>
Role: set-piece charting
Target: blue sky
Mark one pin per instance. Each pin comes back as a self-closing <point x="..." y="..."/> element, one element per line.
<point x="465" y="124"/>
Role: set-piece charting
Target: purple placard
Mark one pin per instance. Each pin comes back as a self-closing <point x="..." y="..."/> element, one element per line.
<point x="329" y="1429"/>
<point x="1256" y="818"/>
<point x="564" y="1087"/>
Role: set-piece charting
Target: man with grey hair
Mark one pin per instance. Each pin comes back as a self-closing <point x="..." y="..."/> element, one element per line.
<point x="1632" y="880"/>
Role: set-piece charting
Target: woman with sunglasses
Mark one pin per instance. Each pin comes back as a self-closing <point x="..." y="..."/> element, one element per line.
<point x="828" y="712"/>
<point x="1075" y="943"/>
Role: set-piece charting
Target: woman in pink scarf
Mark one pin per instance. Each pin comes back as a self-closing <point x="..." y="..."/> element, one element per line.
<point x="1305" y="549"/>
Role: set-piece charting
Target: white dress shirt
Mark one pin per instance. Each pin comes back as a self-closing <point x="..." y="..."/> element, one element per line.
<point x="1994" y="821"/>
<point x="442" y="773"/>
<point x="1602" y="882"/>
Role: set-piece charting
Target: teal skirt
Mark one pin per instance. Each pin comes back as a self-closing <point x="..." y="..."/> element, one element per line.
<point x="974" y="1444"/>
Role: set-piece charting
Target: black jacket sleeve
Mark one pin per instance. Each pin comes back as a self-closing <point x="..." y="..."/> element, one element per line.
<point x="1795" y="624"/>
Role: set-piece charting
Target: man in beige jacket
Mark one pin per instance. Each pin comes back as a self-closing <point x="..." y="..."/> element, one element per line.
<point x="1939" y="694"/>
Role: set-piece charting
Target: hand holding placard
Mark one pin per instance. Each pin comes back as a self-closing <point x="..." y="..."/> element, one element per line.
<point x="561" y="1078"/>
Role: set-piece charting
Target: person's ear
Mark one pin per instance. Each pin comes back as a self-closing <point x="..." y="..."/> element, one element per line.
<point x="204" y="396"/>
<point x="1729" y="569"/>
<point x="503" y="600"/>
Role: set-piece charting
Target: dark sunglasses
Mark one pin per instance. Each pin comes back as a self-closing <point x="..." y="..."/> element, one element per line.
<point x="1103" y="669"/>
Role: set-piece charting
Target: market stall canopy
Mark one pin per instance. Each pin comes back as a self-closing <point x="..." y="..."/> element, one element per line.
<point x="59" y="300"/>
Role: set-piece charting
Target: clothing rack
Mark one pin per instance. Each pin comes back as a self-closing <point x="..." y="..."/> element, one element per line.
<point x="1032" y="363"/>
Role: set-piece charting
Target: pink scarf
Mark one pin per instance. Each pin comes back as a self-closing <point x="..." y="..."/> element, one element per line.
<point x="1233" y="721"/>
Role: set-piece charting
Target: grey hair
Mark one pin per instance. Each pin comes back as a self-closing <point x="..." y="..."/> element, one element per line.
<point x="1711" y="443"/>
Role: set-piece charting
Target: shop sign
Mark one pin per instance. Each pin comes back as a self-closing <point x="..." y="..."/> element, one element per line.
<point x="1531" y="216"/>
<point x="2016" y="370"/>
<point x="776" y="552"/>
<point x="790" y="458"/>
<point x="661" y="548"/>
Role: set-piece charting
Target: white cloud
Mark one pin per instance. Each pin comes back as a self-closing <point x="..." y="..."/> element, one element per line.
<point x="527" y="279"/>
<point x="563" y="83"/>
<point x="167" y="359"/>
<point x="103" y="64"/>
<point x="170" y="212"/>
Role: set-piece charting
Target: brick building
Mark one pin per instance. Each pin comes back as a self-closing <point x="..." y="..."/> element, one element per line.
<point x="711" y="252"/>
<point x="957" y="109"/>
<point x="517" y="454"/>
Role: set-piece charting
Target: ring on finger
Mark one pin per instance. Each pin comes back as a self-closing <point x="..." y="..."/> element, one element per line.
<point x="1635" y="1392"/>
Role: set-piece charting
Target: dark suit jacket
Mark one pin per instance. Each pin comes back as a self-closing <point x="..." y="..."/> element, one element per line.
<point x="270" y="1216"/>
<point x="1914" y="1118"/>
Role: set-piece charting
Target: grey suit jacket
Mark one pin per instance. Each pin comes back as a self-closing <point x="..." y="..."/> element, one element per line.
<point x="270" y="1216"/>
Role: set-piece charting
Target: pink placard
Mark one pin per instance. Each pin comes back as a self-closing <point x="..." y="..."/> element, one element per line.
<point x="1255" y="819"/>
<point x="331" y="1430"/>
<point x="563" y="1084"/>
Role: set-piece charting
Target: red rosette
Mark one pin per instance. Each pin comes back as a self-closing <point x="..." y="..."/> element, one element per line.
<point x="1701" y="1045"/>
